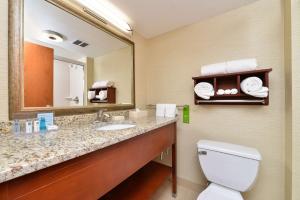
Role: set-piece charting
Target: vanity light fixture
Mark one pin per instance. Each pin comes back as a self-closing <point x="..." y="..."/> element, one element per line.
<point x="53" y="36"/>
<point x="106" y="11"/>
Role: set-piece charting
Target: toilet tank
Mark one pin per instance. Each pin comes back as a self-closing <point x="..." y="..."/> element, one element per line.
<point x="229" y="165"/>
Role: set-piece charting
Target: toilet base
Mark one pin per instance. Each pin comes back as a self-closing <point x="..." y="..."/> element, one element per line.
<point x="218" y="192"/>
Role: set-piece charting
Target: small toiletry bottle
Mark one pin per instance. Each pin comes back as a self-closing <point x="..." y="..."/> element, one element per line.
<point x="29" y="126"/>
<point x="16" y="126"/>
<point x="36" y="126"/>
<point x="43" y="127"/>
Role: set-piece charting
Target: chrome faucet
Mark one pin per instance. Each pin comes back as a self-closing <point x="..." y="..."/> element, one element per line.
<point x="101" y="116"/>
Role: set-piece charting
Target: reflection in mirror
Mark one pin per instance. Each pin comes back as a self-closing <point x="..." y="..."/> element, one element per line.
<point x="69" y="62"/>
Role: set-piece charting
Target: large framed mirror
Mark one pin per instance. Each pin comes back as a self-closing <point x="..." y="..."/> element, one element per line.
<point x="66" y="60"/>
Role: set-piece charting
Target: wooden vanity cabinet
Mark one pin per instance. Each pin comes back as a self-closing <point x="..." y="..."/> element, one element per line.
<point x="93" y="175"/>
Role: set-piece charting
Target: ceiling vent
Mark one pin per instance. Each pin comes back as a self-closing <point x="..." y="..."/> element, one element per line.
<point x="80" y="43"/>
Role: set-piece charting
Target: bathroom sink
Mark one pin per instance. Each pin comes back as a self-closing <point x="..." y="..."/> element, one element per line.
<point x="113" y="127"/>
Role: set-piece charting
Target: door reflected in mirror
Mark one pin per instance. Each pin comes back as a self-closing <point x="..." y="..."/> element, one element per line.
<point x="69" y="62"/>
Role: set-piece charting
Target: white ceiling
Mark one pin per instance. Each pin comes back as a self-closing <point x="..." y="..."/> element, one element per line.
<point x="154" y="17"/>
<point x="40" y="15"/>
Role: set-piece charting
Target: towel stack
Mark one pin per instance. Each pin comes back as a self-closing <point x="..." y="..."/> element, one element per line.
<point x="229" y="67"/>
<point x="254" y="86"/>
<point x="204" y="90"/>
<point x="102" y="84"/>
<point x="166" y="110"/>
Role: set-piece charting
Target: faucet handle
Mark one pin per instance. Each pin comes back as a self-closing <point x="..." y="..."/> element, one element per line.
<point x="106" y="117"/>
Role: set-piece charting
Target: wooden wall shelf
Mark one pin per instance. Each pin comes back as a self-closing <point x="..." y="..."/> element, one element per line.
<point x="111" y="95"/>
<point x="233" y="80"/>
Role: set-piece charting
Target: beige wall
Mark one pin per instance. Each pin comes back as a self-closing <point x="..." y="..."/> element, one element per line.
<point x="295" y="7"/>
<point x="116" y="66"/>
<point x="88" y="78"/>
<point x="292" y="62"/>
<point x="288" y="100"/>
<point x="3" y="61"/>
<point x="175" y="57"/>
<point x="141" y="55"/>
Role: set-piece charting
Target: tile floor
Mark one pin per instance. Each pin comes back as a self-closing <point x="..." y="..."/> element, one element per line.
<point x="183" y="193"/>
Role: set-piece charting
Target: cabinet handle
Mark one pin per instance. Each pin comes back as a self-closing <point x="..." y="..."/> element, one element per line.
<point x="204" y="153"/>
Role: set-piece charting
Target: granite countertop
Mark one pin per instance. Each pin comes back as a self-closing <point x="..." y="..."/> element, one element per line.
<point x="26" y="153"/>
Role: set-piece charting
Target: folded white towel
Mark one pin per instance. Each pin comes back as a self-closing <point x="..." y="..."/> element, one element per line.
<point x="251" y="84"/>
<point x="218" y="68"/>
<point x="241" y="65"/>
<point x="160" y="110"/>
<point x="170" y="110"/>
<point x="102" y="84"/>
<point x="229" y="67"/>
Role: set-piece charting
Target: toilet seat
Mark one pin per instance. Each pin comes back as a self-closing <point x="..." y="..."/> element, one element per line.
<point x="218" y="192"/>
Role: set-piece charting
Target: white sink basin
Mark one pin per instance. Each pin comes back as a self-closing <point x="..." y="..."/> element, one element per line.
<point x="113" y="127"/>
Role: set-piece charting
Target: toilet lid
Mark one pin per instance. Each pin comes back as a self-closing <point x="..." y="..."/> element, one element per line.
<point x="217" y="192"/>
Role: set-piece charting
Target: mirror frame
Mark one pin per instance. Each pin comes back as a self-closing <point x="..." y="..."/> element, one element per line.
<point x="15" y="61"/>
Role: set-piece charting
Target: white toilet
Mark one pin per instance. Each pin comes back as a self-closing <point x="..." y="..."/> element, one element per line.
<point x="230" y="169"/>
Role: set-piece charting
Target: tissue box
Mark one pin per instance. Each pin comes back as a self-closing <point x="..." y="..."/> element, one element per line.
<point x="133" y="114"/>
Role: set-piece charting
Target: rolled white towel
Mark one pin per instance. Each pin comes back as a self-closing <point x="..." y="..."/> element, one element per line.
<point x="218" y="68"/>
<point x="262" y="90"/>
<point x="262" y="93"/>
<point x="204" y="86"/>
<point x="102" y="84"/>
<point x="241" y="65"/>
<point x="203" y="96"/>
<point x="259" y="94"/>
<point x="102" y="95"/>
<point x="211" y="93"/>
<point x="251" y="84"/>
<point x="204" y="90"/>
<point x="234" y="91"/>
